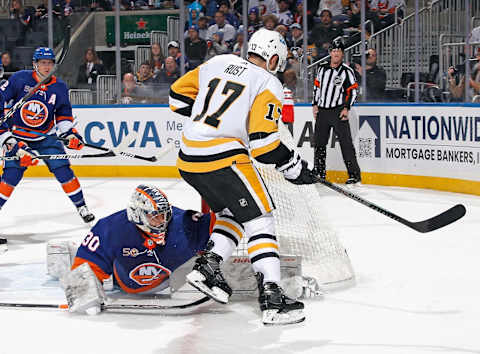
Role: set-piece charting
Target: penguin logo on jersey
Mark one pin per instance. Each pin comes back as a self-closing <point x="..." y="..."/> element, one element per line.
<point x="34" y="113"/>
<point x="149" y="273"/>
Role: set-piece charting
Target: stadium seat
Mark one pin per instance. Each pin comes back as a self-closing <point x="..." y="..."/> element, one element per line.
<point x="22" y="56"/>
<point x="36" y="39"/>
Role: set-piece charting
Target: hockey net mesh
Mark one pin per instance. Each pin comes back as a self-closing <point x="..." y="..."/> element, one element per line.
<point x="302" y="226"/>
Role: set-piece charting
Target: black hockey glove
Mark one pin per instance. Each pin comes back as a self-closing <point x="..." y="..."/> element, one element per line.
<point x="296" y="171"/>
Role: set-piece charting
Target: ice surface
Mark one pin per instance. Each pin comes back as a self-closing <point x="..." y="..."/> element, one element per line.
<point x="415" y="293"/>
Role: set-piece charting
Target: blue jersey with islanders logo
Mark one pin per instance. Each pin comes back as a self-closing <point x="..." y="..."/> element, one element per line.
<point x="116" y="246"/>
<point x="48" y="106"/>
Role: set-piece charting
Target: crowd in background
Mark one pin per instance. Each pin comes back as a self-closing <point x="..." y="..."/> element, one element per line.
<point x="215" y="27"/>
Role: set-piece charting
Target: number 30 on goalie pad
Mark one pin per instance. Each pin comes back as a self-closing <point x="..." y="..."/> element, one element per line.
<point x="239" y="274"/>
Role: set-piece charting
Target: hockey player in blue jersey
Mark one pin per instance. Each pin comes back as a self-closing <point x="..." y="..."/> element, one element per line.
<point x="31" y="129"/>
<point x="143" y="244"/>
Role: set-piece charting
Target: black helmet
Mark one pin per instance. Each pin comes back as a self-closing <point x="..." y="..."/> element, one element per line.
<point x="337" y="43"/>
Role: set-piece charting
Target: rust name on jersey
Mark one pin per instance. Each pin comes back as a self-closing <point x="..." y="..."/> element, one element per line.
<point x="236" y="70"/>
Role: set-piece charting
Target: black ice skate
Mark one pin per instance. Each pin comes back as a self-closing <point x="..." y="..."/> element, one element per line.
<point x="3" y="245"/>
<point x="276" y="307"/>
<point x="207" y="277"/>
<point x="353" y="180"/>
<point x="86" y="215"/>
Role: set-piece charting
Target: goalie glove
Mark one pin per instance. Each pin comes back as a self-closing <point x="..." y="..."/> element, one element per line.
<point x="25" y="154"/>
<point x="72" y="139"/>
<point x="296" y="171"/>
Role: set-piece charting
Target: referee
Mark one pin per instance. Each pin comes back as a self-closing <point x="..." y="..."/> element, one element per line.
<point x="334" y="93"/>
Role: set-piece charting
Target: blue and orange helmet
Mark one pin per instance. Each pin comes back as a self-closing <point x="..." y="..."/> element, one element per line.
<point x="43" y="53"/>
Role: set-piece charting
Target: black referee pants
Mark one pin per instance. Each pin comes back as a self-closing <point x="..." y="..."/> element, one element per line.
<point x="328" y="118"/>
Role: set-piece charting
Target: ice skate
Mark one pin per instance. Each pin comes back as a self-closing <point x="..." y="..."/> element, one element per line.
<point x="207" y="277"/>
<point x="276" y="307"/>
<point x="3" y="245"/>
<point x="86" y="215"/>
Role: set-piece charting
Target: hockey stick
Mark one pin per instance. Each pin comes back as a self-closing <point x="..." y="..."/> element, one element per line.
<point x="20" y="103"/>
<point x="447" y="217"/>
<point x="117" y="150"/>
<point x="113" y="307"/>
<point x="61" y="156"/>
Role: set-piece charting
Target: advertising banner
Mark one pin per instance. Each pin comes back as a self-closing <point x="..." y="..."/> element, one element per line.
<point x="135" y="29"/>
<point x="440" y="141"/>
<point x="410" y="145"/>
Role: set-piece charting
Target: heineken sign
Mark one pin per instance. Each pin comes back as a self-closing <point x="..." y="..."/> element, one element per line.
<point x="135" y="29"/>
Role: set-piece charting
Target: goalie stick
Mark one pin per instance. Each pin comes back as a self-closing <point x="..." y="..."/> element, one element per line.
<point x="114" y="307"/>
<point x="447" y="217"/>
<point x="20" y="103"/>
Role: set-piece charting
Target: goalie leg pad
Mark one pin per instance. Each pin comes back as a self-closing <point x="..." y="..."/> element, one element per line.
<point x="60" y="255"/>
<point x="83" y="290"/>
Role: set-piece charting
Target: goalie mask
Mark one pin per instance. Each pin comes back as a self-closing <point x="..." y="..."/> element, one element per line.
<point x="150" y="210"/>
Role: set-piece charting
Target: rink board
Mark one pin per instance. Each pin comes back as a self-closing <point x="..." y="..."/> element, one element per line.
<point x="411" y="145"/>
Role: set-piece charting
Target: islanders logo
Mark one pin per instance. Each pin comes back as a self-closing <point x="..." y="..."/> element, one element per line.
<point x="34" y="113"/>
<point x="149" y="274"/>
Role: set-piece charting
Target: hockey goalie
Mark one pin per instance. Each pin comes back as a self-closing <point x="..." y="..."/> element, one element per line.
<point x="144" y="249"/>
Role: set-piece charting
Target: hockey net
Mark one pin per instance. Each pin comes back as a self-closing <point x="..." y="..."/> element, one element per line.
<point x="303" y="228"/>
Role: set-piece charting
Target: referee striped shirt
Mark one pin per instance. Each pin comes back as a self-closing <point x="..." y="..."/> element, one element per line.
<point x="334" y="87"/>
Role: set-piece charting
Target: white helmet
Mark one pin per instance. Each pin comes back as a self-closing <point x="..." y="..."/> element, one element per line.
<point x="266" y="44"/>
<point x="149" y="200"/>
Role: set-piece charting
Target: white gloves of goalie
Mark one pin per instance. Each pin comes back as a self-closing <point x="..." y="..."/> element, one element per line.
<point x="296" y="170"/>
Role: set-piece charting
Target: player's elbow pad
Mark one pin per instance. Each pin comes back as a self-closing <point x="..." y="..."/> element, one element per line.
<point x="277" y="156"/>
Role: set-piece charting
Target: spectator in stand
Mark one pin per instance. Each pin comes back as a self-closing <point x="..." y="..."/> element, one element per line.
<point x="195" y="47"/>
<point x="67" y="8"/>
<point x="475" y="35"/>
<point x="8" y="67"/>
<point x="18" y="12"/>
<point x="238" y="47"/>
<point x="289" y="89"/>
<point x="456" y="80"/>
<point x="384" y="12"/>
<point x="376" y="76"/>
<point x="89" y="70"/>
<point x="355" y="8"/>
<point x="156" y="58"/>
<point x="283" y="30"/>
<point x="269" y="7"/>
<point x="194" y="13"/>
<point x="254" y="20"/>
<point x="336" y="7"/>
<point x="297" y="36"/>
<point x="230" y="16"/>
<point x="174" y="51"/>
<point x="270" y="22"/>
<point x="170" y="73"/>
<point x="284" y="15"/>
<point x="145" y="75"/>
<point x="41" y="12"/>
<point x="217" y="46"/>
<point x="209" y="8"/>
<point x="229" y="32"/>
<point x="131" y="93"/>
<point x="298" y="16"/>
<point x="202" y="27"/>
<point x="325" y="32"/>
